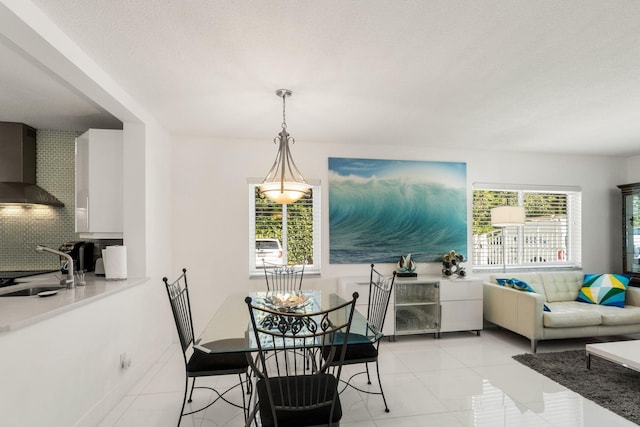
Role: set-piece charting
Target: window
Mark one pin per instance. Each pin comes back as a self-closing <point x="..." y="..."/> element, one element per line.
<point x="550" y="237"/>
<point x="284" y="234"/>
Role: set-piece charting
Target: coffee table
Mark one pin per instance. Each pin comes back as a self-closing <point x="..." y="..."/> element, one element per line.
<point x="625" y="353"/>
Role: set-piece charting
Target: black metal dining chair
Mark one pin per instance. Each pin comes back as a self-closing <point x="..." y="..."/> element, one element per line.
<point x="283" y="278"/>
<point x="198" y="363"/>
<point x="364" y="349"/>
<point x="294" y="386"/>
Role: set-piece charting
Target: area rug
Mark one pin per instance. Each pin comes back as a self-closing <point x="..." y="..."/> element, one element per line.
<point x="609" y="385"/>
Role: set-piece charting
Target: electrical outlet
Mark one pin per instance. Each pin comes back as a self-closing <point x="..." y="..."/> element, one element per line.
<point x="125" y="361"/>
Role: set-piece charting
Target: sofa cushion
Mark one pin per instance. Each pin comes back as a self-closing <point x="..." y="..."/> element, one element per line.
<point x="561" y="286"/>
<point x="604" y="289"/>
<point x="618" y="316"/>
<point x="570" y="314"/>
<point x="533" y="279"/>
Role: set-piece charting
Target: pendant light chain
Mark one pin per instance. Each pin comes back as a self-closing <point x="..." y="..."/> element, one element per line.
<point x="284" y="111"/>
<point x="284" y="183"/>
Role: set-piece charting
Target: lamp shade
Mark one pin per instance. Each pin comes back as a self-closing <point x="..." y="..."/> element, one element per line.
<point x="284" y="192"/>
<point x="507" y="216"/>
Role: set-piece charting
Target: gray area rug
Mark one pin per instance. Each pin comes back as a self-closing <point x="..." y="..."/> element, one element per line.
<point x="609" y="385"/>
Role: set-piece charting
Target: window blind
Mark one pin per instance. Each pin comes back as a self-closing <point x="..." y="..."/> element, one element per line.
<point x="296" y="226"/>
<point x="550" y="237"/>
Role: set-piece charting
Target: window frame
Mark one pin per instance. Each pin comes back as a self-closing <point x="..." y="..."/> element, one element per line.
<point x="315" y="266"/>
<point x="573" y="249"/>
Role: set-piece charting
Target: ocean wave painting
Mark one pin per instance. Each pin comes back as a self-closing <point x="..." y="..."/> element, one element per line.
<point x="382" y="209"/>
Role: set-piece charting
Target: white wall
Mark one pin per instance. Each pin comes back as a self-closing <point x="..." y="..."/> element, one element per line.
<point x="64" y="371"/>
<point x="210" y="216"/>
<point x="633" y="170"/>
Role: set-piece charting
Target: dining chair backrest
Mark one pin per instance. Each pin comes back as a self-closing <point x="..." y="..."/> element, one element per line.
<point x="380" y="288"/>
<point x="284" y="278"/>
<point x="295" y="378"/>
<point x="178" y="293"/>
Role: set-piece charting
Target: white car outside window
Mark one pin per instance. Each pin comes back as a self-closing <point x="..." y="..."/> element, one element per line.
<point x="268" y="251"/>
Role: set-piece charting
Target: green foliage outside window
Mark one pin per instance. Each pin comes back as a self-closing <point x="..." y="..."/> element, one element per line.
<point x="299" y="220"/>
<point x="536" y="205"/>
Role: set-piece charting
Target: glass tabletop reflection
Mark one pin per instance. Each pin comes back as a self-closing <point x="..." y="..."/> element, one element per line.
<point x="229" y="328"/>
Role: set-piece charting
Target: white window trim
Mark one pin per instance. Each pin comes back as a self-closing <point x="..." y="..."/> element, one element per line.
<point x="576" y="224"/>
<point x="314" y="268"/>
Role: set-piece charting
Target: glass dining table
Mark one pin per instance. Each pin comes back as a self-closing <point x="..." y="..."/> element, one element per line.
<point x="229" y="330"/>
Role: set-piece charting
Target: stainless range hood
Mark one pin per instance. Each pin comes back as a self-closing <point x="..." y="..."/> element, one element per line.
<point x="18" y="167"/>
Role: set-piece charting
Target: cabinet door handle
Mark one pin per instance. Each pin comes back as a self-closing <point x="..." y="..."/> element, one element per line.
<point x="87" y="216"/>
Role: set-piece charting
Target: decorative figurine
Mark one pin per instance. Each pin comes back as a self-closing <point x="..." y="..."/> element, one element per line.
<point x="406" y="267"/>
<point x="451" y="264"/>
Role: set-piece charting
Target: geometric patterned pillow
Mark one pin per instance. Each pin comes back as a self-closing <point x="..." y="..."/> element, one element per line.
<point x="604" y="289"/>
<point x="504" y="282"/>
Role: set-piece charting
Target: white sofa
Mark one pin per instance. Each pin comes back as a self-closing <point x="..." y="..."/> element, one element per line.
<point x="523" y="312"/>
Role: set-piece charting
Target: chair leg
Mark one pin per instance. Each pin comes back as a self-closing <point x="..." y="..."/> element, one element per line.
<point x="245" y="408"/>
<point x="193" y="385"/>
<point x="184" y="398"/>
<point x="366" y="365"/>
<point x="249" y="384"/>
<point x="386" y="408"/>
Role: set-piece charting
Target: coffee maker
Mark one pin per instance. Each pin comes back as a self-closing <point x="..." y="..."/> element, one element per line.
<point x="82" y="254"/>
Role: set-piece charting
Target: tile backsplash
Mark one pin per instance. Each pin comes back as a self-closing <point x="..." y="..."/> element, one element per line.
<point x="22" y="228"/>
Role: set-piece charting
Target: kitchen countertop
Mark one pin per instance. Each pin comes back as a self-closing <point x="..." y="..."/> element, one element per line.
<point x="17" y="312"/>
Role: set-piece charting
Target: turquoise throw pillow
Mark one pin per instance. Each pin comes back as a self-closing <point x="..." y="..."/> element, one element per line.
<point x="504" y="282"/>
<point x="604" y="289"/>
<point x="516" y="284"/>
<point x="521" y="286"/>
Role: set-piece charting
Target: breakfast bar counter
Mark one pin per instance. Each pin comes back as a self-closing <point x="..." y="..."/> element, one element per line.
<point x="19" y="311"/>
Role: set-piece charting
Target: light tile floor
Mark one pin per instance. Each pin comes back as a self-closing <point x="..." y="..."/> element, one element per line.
<point x="458" y="380"/>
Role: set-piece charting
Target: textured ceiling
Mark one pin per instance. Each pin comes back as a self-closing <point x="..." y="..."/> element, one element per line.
<point x="521" y="75"/>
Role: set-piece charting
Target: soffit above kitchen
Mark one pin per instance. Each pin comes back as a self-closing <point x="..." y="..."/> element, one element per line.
<point x="522" y="76"/>
<point x="31" y="94"/>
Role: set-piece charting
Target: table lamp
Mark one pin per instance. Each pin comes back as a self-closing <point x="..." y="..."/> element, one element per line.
<point x="507" y="216"/>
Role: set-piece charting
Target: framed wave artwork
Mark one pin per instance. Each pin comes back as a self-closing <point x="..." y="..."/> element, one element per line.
<point x="382" y="209"/>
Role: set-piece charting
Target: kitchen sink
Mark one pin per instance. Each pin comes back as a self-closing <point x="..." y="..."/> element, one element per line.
<point x="32" y="291"/>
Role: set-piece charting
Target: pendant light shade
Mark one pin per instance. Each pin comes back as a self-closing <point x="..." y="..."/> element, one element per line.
<point x="284" y="183"/>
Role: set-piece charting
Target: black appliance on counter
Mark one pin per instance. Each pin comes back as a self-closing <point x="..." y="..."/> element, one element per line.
<point x="81" y="253"/>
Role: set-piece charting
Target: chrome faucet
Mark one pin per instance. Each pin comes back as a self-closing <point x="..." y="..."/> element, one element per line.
<point x="68" y="282"/>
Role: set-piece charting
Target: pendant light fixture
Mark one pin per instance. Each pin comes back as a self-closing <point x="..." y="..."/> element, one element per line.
<point x="284" y="183"/>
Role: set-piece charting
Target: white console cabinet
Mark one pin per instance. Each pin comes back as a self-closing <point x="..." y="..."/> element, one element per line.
<point x="417" y="307"/>
<point x="425" y="304"/>
<point x="99" y="184"/>
<point x="461" y="304"/>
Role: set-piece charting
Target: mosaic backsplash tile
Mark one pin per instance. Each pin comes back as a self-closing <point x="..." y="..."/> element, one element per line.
<point x="22" y="228"/>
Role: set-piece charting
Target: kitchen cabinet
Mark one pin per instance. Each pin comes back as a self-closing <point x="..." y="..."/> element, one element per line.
<point x="99" y="184"/>
<point x="631" y="231"/>
<point x="461" y="304"/>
